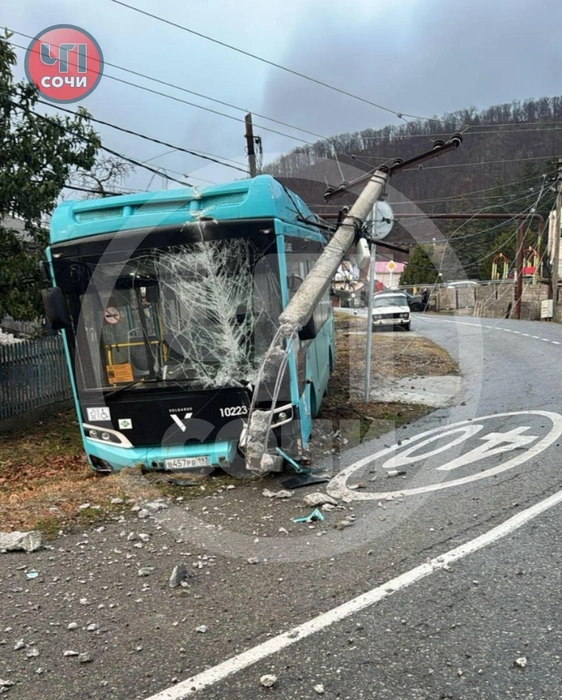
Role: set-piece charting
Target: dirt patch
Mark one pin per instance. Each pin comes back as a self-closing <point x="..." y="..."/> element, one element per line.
<point x="345" y="419"/>
<point x="45" y="478"/>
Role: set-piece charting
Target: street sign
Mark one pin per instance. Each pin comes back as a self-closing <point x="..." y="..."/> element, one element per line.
<point x="391" y="266"/>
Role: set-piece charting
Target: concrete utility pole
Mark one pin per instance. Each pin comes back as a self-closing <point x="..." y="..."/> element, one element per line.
<point x="309" y="294"/>
<point x="311" y="291"/>
<point x="250" y="145"/>
<point x="556" y="240"/>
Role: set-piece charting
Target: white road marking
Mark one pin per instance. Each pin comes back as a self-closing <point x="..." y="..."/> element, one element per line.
<point x="337" y="487"/>
<point x="317" y="624"/>
<point x="496" y="328"/>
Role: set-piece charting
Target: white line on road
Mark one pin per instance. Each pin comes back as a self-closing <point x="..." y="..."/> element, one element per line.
<point x="321" y="622"/>
<point x="496" y="328"/>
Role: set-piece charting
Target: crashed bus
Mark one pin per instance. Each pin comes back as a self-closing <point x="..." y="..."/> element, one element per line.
<point x="168" y="302"/>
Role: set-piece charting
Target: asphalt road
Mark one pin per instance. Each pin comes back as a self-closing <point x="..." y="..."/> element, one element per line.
<point x="486" y="625"/>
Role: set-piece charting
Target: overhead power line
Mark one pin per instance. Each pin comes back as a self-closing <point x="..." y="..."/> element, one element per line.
<point x="148" y="138"/>
<point x="254" y="56"/>
<point x="194" y="104"/>
<point x="132" y="161"/>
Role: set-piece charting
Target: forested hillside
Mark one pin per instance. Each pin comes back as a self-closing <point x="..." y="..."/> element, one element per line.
<point x="507" y="149"/>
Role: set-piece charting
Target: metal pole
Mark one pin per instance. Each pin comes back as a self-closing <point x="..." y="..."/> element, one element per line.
<point x="250" y="145"/>
<point x="370" y="323"/>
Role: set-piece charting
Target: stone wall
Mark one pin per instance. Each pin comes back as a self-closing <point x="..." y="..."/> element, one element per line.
<point x="492" y="300"/>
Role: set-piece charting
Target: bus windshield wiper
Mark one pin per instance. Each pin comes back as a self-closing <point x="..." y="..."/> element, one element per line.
<point x="144" y="380"/>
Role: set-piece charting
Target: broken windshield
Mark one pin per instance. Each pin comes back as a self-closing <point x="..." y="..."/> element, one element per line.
<point x="200" y="315"/>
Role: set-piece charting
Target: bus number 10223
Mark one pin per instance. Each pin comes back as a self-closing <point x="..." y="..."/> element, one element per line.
<point x="233" y="411"/>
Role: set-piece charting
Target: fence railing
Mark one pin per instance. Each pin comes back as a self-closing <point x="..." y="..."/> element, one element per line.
<point x="33" y="374"/>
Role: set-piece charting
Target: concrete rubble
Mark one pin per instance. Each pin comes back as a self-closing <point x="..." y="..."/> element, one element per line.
<point x="319" y="499"/>
<point x="179" y="575"/>
<point x="20" y="541"/>
<point x="268" y="680"/>
<point x="284" y="493"/>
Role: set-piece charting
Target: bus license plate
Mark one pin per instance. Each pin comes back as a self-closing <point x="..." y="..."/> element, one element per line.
<point x="187" y="463"/>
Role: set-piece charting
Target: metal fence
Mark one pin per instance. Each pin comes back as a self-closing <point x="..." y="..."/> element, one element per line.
<point x="33" y="374"/>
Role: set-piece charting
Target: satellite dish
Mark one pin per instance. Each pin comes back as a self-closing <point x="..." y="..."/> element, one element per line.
<point x="382" y="217"/>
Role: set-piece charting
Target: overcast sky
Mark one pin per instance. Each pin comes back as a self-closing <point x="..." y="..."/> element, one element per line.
<point x="421" y="57"/>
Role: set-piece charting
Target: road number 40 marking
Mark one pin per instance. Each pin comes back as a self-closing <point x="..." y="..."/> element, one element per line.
<point x="490" y="444"/>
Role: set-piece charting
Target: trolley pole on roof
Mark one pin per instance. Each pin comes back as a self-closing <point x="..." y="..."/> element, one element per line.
<point x="250" y="145"/>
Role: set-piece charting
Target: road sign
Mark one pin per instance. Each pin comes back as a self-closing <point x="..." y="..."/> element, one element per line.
<point x="391" y="266"/>
<point x="112" y="315"/>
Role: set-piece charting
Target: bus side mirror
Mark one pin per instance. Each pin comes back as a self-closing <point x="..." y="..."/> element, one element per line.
<point x="45" y="272"/>
<point x="56" y="309"/>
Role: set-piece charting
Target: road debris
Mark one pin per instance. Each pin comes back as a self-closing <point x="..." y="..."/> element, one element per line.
<point x="277" y="494"/>
<point x="345" y="522"/>
<point x="395" y="472"/>
<point x="319" y="688"/>
<point x="268" y="680"/>
<point x="5" y="685"/>
<point x="69" y="652"/>
<point x="145" y="571"/>
<point x="253" y="560"/>
<point x="179" y="575"/>
<point x="316" y="515"/>
<point x="202" y="629"/>
<point x="521" y="662"/>
<point x="27" y="541"/>
<point x="319" y="499"/>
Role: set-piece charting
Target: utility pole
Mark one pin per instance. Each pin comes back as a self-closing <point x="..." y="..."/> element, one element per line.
<point x="519" y="264"/>
<point x="556" y="240"/>
<point x="250" y="145"/>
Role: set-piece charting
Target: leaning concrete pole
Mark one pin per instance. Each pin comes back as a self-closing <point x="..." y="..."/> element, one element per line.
<point x="309" y="294"/>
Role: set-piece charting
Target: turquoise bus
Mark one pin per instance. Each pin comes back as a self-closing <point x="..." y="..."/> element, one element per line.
<point x="167" y="302"/>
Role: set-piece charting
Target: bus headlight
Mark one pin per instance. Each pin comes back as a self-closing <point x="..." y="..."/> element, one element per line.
<point x="105" y="436"/>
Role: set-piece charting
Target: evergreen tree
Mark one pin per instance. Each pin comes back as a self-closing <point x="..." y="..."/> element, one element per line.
<point x="419" y="268"/>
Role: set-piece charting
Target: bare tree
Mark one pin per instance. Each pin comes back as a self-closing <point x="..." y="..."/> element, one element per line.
<point x="107" y="176"/>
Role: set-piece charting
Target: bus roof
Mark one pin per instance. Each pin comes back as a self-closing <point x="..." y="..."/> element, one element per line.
<point x="261" y="197"/>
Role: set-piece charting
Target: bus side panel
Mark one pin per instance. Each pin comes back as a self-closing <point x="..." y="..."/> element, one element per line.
<point x="310" y="365"/>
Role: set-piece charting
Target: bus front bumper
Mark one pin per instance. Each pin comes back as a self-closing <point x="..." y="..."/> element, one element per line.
<point x="109" y="458"/>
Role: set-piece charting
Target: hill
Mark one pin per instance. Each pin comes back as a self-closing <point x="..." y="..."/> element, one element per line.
<point x="507" y="149"/>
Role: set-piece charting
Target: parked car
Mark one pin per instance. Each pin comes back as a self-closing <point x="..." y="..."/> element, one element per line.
<point x="460" y="284"/>
<point x="415" y="301"/>
<point x="391" y="309"/>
